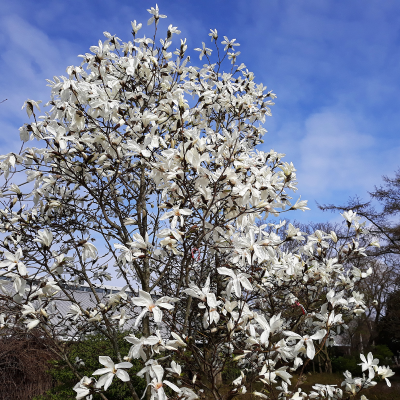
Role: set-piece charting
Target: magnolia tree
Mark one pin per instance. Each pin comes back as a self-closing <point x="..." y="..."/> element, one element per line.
<point x="155" y="161"/>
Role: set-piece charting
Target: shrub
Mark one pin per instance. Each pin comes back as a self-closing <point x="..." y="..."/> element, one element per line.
<point x="88" y="351"/>
<point x="346" y="363"/>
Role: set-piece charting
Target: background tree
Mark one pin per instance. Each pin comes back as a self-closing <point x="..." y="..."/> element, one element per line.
<point x="389" y="323"/>
<point x="381" y="212"/>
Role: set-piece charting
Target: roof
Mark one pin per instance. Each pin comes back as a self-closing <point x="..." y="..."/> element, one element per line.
<point x="82" y="295"/>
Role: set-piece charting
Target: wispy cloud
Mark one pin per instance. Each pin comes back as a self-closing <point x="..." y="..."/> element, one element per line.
<point x="29" y="57"/>
<point x="334" y="155"/>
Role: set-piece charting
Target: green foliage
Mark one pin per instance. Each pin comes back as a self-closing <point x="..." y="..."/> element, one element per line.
<point x="346" y="363"/>
<point x="89" y="351"/>
<point x="350" y="363"/>
<point x="230" y="372"/>
<point x="383" y="354"/>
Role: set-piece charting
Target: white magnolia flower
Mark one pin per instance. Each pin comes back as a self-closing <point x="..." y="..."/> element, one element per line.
<point x="146" y="301"/>
<point x="29" y="104"/>
<point x="273" y="325"/>
<point x="384" y="373"/>
<point x="369" y="364"/>
<point x="15" y="188"/>
<point x="58" y="266"/>
<point x="136" y="350"/>
<point x="262" y="395"/>
<point x="300" y="205"/>
<point x="89" y="251"/>
<point x="236" y="281"/>
<point x="110" y="371"/>
<point x="213" y="34"/>
<point x="30" y="324"/>
<point x="13" y="261"/>
<point x="175" y="369"/>
<point x="136" y="27"/>
<point x="28" y="309"/>
<point x="211" y="315"/>
<point x="127" y="255"/>
<point x="20" y="288"/>
<point x="170" y="244"/>
<point x="140" y="242"/>
<point x="350" y="216"/>
<point x="238" y="381"/>
<point x="306" y="340"/>
<point x="198" y="293"/>
<point x="155" y="341"/>
<point x="157" y="383"/>
<point x="203" y="51"/>
<point x="130" y="221"/>
<point x="176" y="213"/>
<point x="176" y="342"/>
<point x="82" y="387"/>
<point x="74" y="312"/>
<point x="47" y="289"/>
<point x="121" y="316"/>
<point x="156" y="15"/>
<point x="287" y="168"/>
<point x="30" y="312"/>
<point x="188" y="394"/>
<point x="95" y="316"/>
<point x="229" y="44"/>
<point x="115" y="298"/>
<point x="45" y="237"/>
<point x="79" y="362"/>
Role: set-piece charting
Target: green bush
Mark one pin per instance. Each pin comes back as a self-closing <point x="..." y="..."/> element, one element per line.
<point x="231" y="372"/>
<point x="89" y="351"/>
<point x="346" y="363"/>
<point x="383" y="354"/>
<point x="350" y="363"/>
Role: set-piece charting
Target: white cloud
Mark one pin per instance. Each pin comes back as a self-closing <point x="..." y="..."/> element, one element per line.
<point x="29" y="57"/>
<point x="334" y="155"/>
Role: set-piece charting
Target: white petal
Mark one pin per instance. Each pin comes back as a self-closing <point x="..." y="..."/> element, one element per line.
<point x="32" y="324"/>
<point x="211" y="300"/>
<point x="226" y="271"/>
<point x="172" y="386"/>
<point x="109" y="379"/>
<point x="159" y="371"/>
<point x="292" y="334"/>
<point x="141" y="315"/>
<point x="124" y="365"/>
<point x="165" y="305"/>
<point x="101" y="371"/>
<point x="22" y="269"/>
<point x="246" y="283"/>
<point x="106" y="361"/>
<point x="151" y="340"/>
<point x="319" y="335"/>
<point x="123" y="375"/>
<point x="144" y="299"/>
<point x="261" y="395"/>
<point x="157" y="314"/>
<point x="310" y="349"/>
<point x="236" y="287"/>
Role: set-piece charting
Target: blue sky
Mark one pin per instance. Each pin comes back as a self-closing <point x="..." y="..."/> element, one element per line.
<point x="334" y="65"/>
